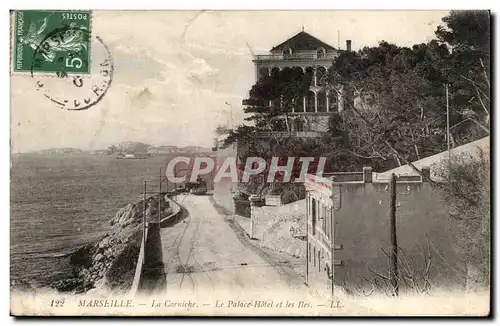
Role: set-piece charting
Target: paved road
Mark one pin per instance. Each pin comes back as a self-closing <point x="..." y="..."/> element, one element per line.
<point x="206" y="254"/>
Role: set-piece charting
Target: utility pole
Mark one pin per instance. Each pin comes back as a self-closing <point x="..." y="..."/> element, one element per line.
<point x="231" y="107"/>
<point x="144" y="223"/>
<point x="332" y="248"/>
<point x="307" y="238"/>
<point x="394" y="275"/>
<point x="175" y="184"/>
<point x="159" y="201"/>
<point x="448" y="123"/>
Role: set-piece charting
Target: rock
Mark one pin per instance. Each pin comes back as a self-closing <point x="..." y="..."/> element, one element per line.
<point x="117" y="217"/>
<point x="21" y="285"/>
<point x="126" y="223"/>
<point x="82" y="256"/>
<point x="67" y="284"/>
<point x="84" y="287"/>
<point x="126" y="215"/>
<point x="115" y="253"/>
<point x="104" y="243"/>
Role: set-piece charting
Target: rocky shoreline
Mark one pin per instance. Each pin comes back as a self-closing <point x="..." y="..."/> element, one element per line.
<point x="108" y="264"/>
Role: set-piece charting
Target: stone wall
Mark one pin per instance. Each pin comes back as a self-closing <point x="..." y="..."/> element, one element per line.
<point x="149" y="276"/>
<point x="271" y="225"/>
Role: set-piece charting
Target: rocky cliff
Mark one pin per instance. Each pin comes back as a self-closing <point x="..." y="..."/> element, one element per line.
<point x="109" y="263"/>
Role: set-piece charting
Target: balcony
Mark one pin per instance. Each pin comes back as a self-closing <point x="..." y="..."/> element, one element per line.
<point x="296" y="56"/>
<point x="299" y="134"/>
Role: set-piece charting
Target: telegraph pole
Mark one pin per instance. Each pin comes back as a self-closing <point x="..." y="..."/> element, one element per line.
<point x="332" y="248"/>
<point x="159" y="201"/>
<point x="144" y="223"/>
<point x="231" y="112"/>
<point x="175" y="184"/>
<point x="448" y="123"/>
<point x="307" y="238"/>
<point x="394" y="240"/>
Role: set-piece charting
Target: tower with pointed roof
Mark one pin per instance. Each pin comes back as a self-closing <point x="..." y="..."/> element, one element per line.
<point x="312" y="55"/>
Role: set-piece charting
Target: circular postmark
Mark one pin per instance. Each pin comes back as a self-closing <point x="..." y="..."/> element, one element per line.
<point x="66" y="89"/>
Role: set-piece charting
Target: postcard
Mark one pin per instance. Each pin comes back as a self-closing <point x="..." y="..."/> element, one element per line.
<point x="250" y="163"/>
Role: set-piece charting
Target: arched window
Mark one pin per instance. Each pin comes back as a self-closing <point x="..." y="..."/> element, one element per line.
<point x="298" y="105"/>
<point x="263" y="72"/>
<point x="321" y="74"/>
<point x="275" y="72"/>
<point x="310" y="74"/>
<point x="310" y="102"/>
<point x="298" y="71"/>
<point x="321" y="102"/>
<point x="332" y="101"/>
<point x="321" y="53"/>
<point x="287" y="53"/>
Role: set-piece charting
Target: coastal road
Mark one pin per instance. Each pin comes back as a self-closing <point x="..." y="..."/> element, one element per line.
<point x="205" y="253"/>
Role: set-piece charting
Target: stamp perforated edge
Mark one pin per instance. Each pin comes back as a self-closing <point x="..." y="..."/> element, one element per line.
<point x="45" y="74"/>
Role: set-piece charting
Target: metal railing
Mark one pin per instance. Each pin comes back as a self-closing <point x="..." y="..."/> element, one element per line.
<point x="296" y="56"/>
<point x="304" y="134"/>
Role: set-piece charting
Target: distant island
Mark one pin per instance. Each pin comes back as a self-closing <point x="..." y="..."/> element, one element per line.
<point x="127" y="149"/>
<point x="58" y="151"/>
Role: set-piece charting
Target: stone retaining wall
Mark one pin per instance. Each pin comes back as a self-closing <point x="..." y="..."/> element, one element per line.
<point x="139" y="275"/>
<point x="275" y="227"/>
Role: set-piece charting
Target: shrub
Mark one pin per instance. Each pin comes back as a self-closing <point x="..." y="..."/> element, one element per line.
<point x="467" y="195"/>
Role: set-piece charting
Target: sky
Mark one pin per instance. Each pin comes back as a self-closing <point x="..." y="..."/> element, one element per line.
<point x="179" y="74"/>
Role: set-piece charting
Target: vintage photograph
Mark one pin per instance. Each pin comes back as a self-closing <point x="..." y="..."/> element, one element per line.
<point x="250" y="163"/>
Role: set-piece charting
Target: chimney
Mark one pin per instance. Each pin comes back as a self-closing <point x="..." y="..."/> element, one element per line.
<point x="348" y="45"/>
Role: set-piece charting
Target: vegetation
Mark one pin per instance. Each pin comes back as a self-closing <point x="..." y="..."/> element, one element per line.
<point x="467" y="194"/>
<point x="394" y="99"/>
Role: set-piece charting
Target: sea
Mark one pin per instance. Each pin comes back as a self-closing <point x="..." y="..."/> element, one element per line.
<point x="60" y="202"/>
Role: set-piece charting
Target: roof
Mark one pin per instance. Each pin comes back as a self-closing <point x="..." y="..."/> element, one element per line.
<point x="472" y="148"/>
<point x="302" y="41"/>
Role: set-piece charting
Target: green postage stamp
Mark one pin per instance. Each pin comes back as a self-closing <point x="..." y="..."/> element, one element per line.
<point x="52" y="41"/>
